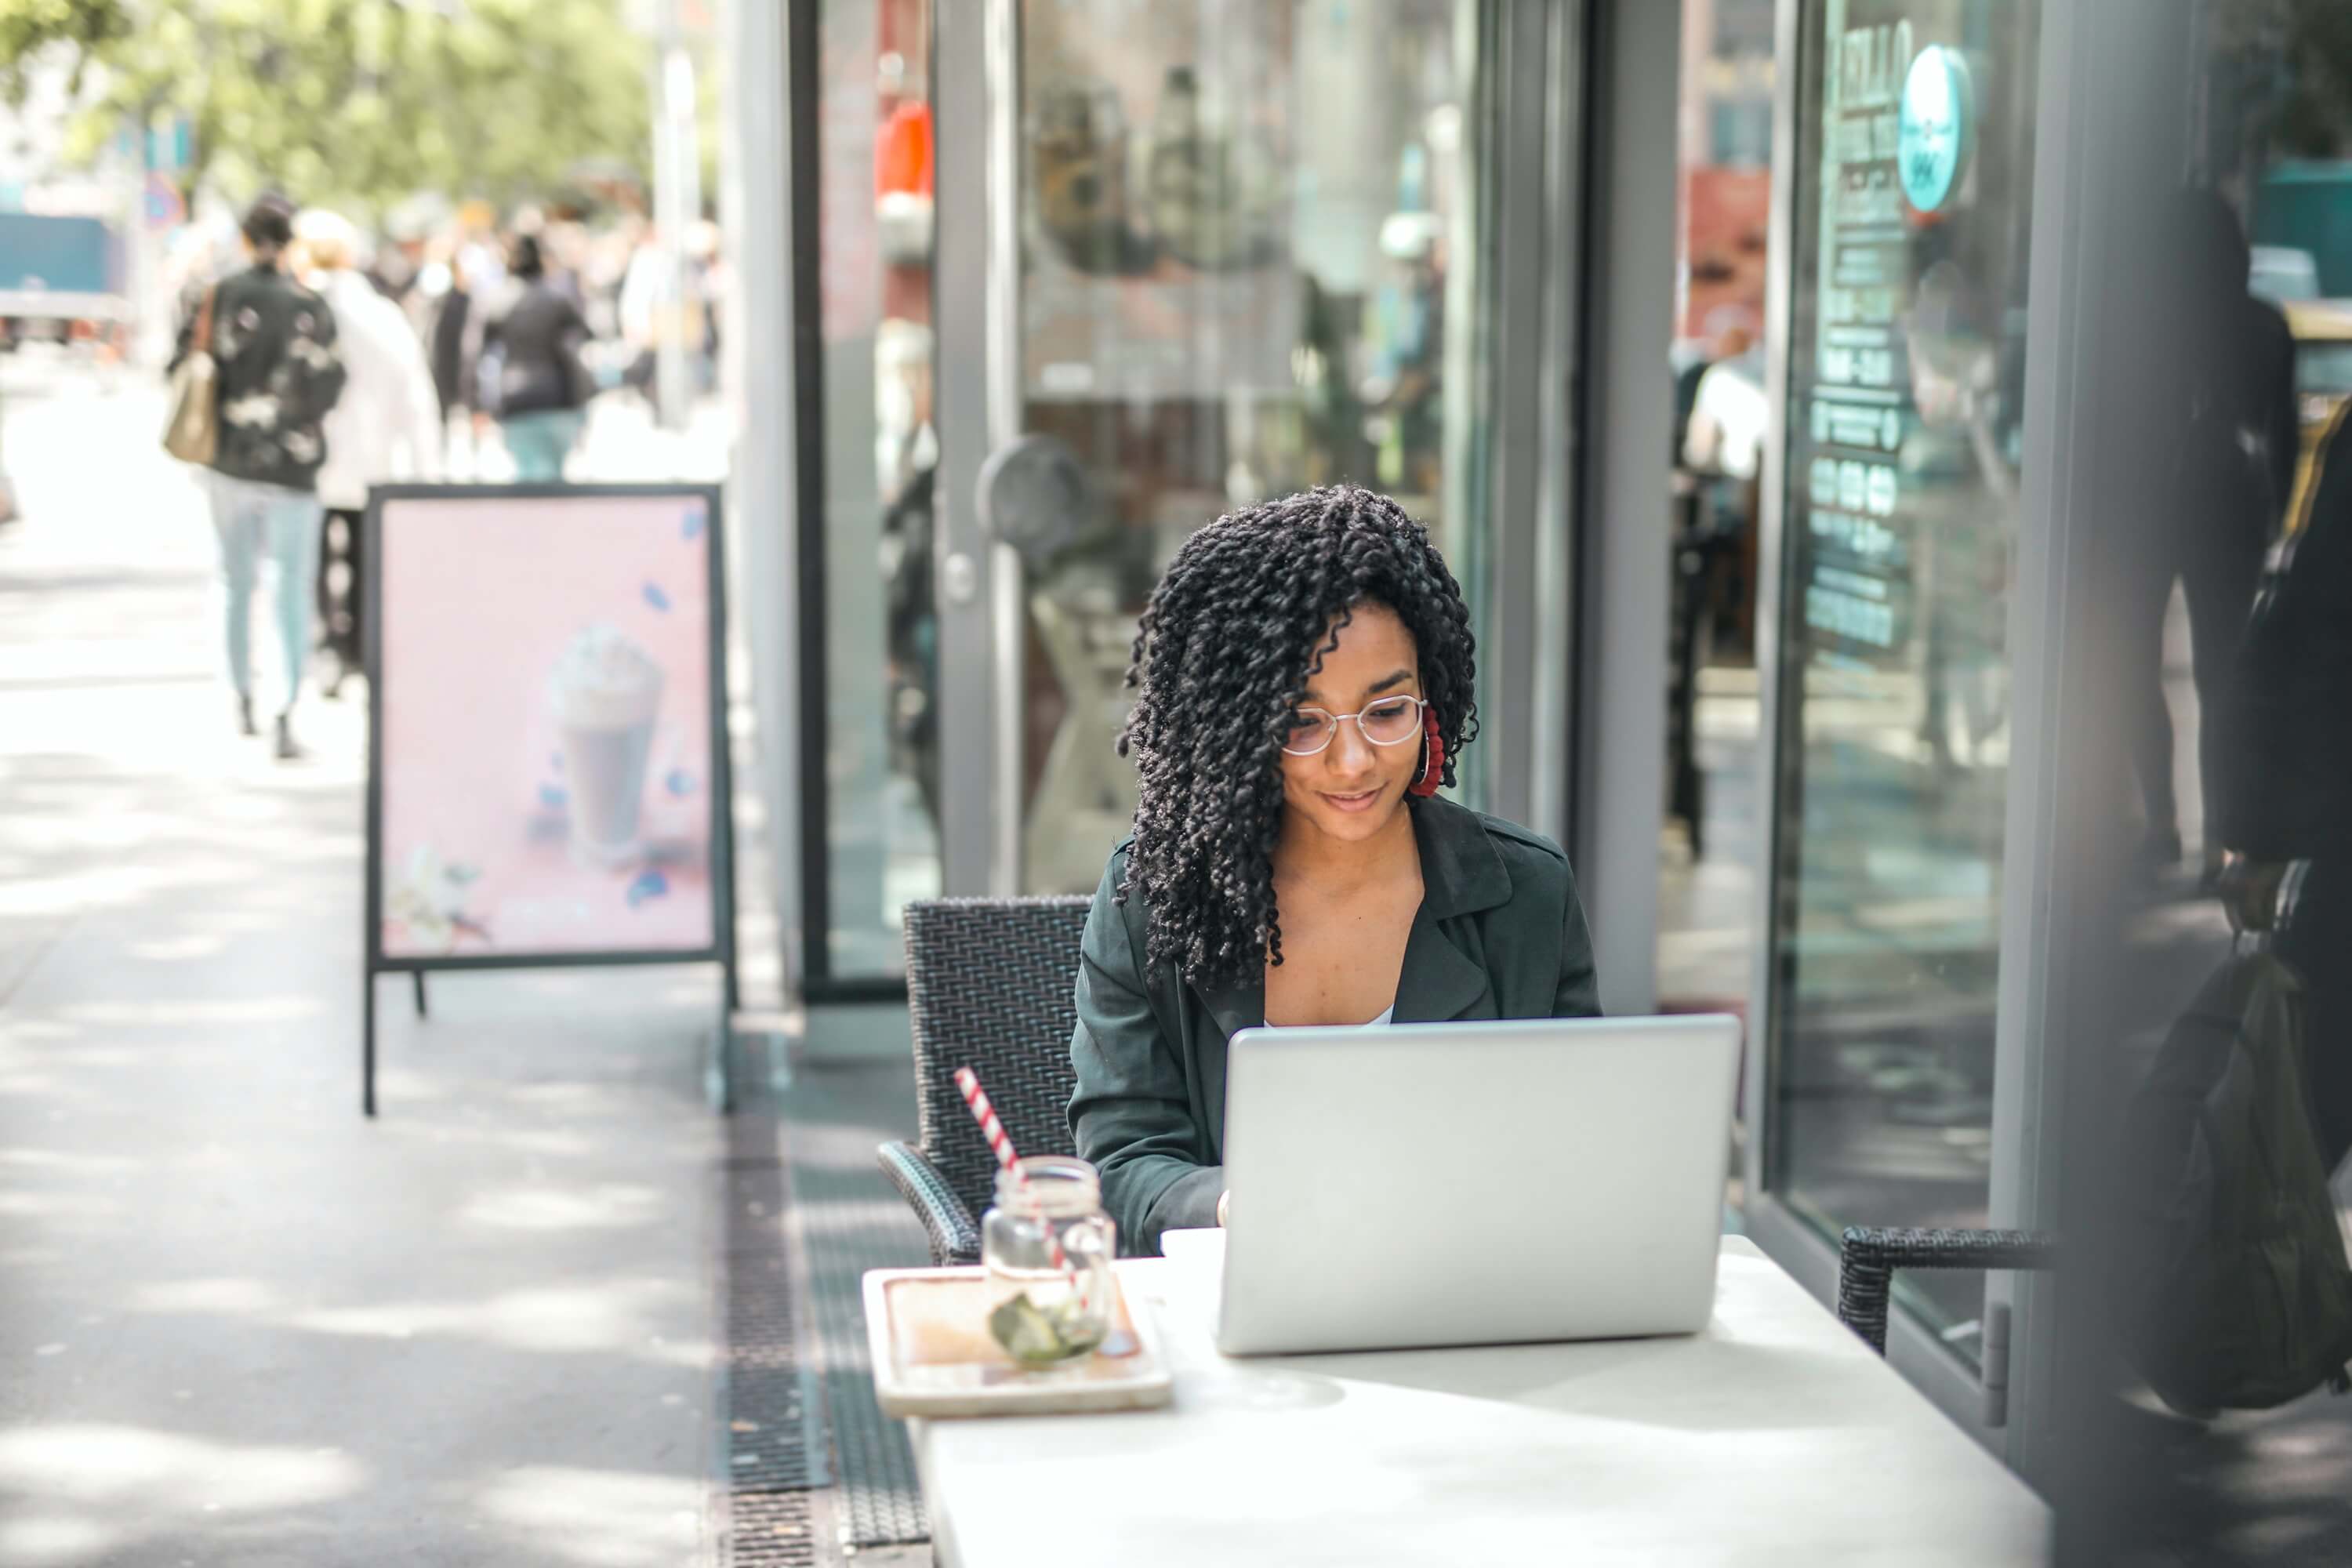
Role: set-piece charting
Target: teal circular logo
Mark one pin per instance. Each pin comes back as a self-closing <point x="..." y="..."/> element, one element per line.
<point x="1931" y="143"/>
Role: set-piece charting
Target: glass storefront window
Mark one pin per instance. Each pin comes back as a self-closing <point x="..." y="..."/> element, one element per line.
<point x="1247" y="269"/>
<point x="878" y="841"/>
<point x="1905" y="403"/>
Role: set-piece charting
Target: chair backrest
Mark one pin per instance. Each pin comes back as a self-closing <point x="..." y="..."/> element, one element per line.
<point x="991" y="985"/>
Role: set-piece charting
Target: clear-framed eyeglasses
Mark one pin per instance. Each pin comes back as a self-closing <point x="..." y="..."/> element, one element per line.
<point x="1390" y="721"/>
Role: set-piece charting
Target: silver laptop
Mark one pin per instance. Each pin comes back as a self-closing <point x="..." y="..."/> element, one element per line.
<point x="1475" y="1184"/>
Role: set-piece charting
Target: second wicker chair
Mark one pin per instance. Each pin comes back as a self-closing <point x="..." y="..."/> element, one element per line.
<point x="989" y="985"/>
<point x="1868" y="1258"/>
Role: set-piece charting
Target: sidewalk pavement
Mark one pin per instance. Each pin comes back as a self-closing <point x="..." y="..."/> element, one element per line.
<point x="238" y="1324"/>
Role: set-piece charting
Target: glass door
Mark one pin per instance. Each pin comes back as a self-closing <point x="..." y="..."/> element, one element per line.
<point x="1192" y="254"/>
<point x="1904" y="436"/>
<point x="864" y="459"/>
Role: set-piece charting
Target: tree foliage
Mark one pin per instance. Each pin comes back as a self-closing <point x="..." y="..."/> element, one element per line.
<point x="357" y="102"/>
<point x="31" y="27"/>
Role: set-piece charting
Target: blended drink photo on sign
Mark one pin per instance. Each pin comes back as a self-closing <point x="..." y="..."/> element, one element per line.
<point x="607" y="694"/>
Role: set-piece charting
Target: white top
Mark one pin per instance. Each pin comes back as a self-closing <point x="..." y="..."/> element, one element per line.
<point x="1387" y="1016"/>
<point x="387" y="424"/>
<point x="1774" y="1437"/>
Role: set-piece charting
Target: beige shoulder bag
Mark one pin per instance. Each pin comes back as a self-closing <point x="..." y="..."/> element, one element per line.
<point x="193" y="433"/>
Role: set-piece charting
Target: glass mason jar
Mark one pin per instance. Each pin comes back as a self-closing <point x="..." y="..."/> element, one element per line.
<point x="1039" y="1311"/>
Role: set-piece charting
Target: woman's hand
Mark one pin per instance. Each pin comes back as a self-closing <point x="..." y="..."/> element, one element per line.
<point x="1222" y="1199"/>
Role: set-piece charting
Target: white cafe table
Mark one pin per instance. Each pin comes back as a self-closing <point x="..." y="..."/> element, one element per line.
<point x="1774" y="1437"/>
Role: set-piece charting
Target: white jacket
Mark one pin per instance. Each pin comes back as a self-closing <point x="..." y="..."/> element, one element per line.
<point x="387" y="424"/>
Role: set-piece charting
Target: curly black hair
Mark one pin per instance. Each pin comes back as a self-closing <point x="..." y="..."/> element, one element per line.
<point x="1241" y="619"/>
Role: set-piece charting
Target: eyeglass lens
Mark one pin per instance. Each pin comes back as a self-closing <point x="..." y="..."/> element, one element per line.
<point x="1387" y="723"/>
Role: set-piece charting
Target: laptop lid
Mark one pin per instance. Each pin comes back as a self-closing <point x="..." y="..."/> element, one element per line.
<point x="1474" y="1183"/>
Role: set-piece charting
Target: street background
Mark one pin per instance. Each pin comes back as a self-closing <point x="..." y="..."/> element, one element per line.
<point x="236" y="1330"/>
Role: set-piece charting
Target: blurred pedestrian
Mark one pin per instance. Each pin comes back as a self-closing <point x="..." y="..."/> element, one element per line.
<point x="278" y="377"/>
<point x="704" y="275"/>
<point x="2231" y="440"/>
<point x="665" y="300"/>
<point x="447" y="330"/>
<point x="395" y="268"/>
<point x="387" y="424"/>
<point x="402" y="258"/>
<point x="2287" y="827"/>
<point x="647" y="299"/>
<point x="533" y="375"/>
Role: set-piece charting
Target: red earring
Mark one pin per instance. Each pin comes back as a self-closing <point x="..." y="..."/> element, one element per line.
<point x="1433" y="755"/>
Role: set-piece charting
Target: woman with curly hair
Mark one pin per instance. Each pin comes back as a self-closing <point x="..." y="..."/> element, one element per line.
<point x="1305" y="682"/>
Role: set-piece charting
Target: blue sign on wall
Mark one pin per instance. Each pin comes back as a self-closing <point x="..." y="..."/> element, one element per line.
<point x="1934" y="126"/>
<point x="169" y="142"/>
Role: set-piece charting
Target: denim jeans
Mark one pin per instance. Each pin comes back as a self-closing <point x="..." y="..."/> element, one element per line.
<point x="253" y="520"/>
<point x="539" y="442"/>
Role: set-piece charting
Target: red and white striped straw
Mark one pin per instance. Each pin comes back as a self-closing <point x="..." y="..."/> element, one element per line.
<point x="1002" y="1146"/>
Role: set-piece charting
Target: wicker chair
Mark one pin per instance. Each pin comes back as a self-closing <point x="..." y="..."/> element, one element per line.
<point x="989" y="986"/>
<point x="1868" y="1258"/>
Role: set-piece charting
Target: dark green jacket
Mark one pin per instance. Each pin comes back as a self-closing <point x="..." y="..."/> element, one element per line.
<point x="1499" y="934"/>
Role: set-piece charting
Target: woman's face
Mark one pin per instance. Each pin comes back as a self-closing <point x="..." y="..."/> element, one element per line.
<point x="1351" y="789"/>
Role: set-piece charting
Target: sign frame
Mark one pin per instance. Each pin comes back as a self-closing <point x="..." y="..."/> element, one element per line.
<point x="720" y="950"/>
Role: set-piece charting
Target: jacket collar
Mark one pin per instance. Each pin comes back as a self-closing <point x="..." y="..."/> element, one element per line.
<point x="1461" y="874"/>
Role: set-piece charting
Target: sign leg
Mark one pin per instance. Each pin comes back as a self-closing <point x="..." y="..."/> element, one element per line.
<point x="721" y="1079"/>
<point x="367" y="1046"/>
<point x="418" y="976"/>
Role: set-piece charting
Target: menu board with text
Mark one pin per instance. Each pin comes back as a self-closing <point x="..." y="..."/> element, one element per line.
<point x="1847" y="486"/>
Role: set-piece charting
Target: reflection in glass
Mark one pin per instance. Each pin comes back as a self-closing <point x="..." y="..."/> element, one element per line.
<point x="1710" y="855"/>
<point x="1905" y="398"/>
<point x="879" y="453"/>
<point x="1243" y="231"/>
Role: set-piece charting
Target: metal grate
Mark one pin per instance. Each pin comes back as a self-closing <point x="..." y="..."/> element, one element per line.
<point x="855" y="1220"/>
<point x="775" y="1438"/>
<point x="774" y="1447"/>
<point x="771" y="1529"/>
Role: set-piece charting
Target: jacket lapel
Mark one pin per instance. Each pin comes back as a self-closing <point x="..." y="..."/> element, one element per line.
<point x="1460" y="875"/>
<point x="1439" y="981"/>
<point x="1230" y="1009"/>
<point x="1236" y="1007"/>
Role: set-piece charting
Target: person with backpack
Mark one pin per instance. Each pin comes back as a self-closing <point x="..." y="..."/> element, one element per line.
<point x="2239" y="1293"/>
<point x="533" y="379"/>
<point x="274" y="376"/>
<point x="2290" y="828"/>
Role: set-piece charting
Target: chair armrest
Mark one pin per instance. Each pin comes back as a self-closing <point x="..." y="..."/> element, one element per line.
<point x="1868" y="1258"/>
<point x="955" y="1235"/>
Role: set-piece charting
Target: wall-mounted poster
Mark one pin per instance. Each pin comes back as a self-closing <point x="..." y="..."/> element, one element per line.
<point x="549" y="782"/>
